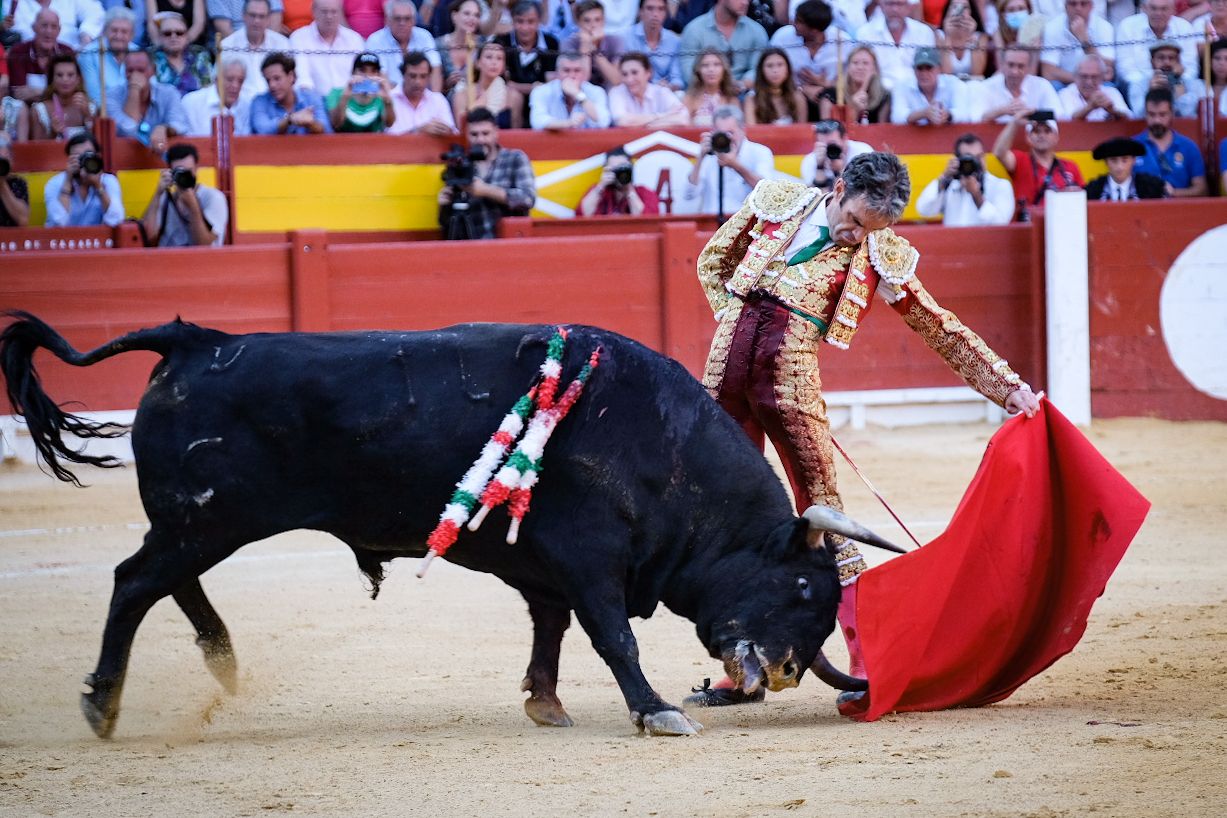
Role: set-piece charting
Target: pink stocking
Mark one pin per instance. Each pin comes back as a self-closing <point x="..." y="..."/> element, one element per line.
<point x="847" y="623"/>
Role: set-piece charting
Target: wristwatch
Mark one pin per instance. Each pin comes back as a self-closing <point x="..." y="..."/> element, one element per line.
<point x="581" y="97"/>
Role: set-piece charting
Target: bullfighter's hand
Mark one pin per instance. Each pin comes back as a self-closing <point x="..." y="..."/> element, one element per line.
<point x="1022" y="400"/>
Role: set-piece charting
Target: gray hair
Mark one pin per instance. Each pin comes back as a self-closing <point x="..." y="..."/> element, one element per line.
<point x="231" y="62"/>
<point x="387" y="7"/>
<point x="1098" y="61"/>
<point x="882" y="179"/>
<point x="118" y="13"/>
<point x="729" y="112"/>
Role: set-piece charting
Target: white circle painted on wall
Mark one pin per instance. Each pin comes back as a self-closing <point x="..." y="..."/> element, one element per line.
<point x="1193" y="312"/>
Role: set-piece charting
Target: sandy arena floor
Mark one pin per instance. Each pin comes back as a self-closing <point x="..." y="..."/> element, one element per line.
<point x="410" y="705"/>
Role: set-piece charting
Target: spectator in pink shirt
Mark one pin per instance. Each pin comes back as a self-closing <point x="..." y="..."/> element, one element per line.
<point x="638" y="102"/>
<point x="419" y="109"/>
<point x="364" y="16"/>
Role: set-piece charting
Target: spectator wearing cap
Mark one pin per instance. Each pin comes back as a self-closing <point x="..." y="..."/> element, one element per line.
<point x="1171" y="156"/>
<point x="177" y="61"/>
<point x="902" y="37"/>
<point x="202" y="106"/>
<point x="418" y="108"/>
<point x="1088" y="99"/>
<point x="727" y="29"/>
<point x="364" y="104"/>
<point x="401" y="35"/>
<point x="328" y="48"/>
<point x="1168" y="74"/>
<point x="1037" y="169"/>
<point x="146" y="110"/>
<point x="966" y="194"/>
<point x="570" y="101"/>
<point x="28" y="62"/>
<point x="1157" y="21"/>
<point x="284" y="109"/>
<point x="931" y="98"/>
<point x="813" y="46"/>
<point x="253" y="42"/>
<point x="1121" y="183"/>
<point x="832" y="151"/>
<point x="1014" y="89"/>
<point x="649" y="36"/>
<point x="1070" y="35"/>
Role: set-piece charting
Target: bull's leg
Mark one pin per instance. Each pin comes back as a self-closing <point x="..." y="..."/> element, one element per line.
<point x="211" y="634"/>
<point x="541" y="680"/>
<point x="159" y="568"/>
<point x="611" y="635"/>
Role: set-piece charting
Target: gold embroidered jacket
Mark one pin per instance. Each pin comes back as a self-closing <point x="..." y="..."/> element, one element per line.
<point x="746" y="255"/>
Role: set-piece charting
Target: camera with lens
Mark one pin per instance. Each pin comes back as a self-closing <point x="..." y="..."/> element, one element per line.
<point x="721" y="142"/>
<point x="6" y="167"/>
<point x="834" y="151"/>
<point x="459" y="169"/>
<point x="969" y="166"/>
<point x="623" y="176"/>
<point x="90" y="162"/>
<point x="183" y="178"/>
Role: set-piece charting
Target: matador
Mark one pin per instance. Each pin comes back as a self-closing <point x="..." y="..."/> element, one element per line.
<point x="791" y="276"/>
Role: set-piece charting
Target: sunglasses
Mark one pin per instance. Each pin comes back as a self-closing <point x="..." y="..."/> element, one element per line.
<point x="174" y="33"/>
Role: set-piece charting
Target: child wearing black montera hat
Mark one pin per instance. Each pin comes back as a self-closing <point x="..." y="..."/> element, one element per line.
<point x="1120" y="183"/>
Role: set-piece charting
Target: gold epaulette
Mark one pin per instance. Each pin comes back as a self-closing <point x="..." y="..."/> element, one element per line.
<point x="777" y="200"/>
<point x="893" y="257"/>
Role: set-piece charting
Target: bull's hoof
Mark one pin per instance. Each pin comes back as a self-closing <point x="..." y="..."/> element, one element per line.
<point x="99" y="709"/>
<point x="219" y="659"/>
<point x="547" y="712"/>
<point x="667" y="723"/>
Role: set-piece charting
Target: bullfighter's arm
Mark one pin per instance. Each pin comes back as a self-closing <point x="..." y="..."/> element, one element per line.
<point x="963" y="350"/>
<point x="722" y="254"/>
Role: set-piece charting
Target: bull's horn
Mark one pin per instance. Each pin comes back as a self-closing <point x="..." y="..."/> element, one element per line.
<point x="836" y="678"/>
<point x="825" y="518"/>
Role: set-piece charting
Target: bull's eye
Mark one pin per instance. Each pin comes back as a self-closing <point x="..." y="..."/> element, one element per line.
<point x="803" y="587"/>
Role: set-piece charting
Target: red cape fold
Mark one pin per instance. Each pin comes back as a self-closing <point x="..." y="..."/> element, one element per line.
<point x="1006" y="590"/>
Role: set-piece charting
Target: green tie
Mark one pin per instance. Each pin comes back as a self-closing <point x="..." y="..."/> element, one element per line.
<point x="812" y="249"/>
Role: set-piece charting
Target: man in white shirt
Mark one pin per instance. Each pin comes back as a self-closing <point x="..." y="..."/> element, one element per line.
<point x="203" y="105"/>
<point x="813" y="46"/>
<point x="1014" y="89"/>
<point x="401" y="35"/>
<point x="1071" y="35"/>
<point x="323" y="72"/>
<point x="570" y="101"/>
<point x="833" y="150"/>
<point x="1157" y="21"/>
<point x="741" y="166"/>
<point x="80" y="20"/>
<point x="253" y="42"/>
<point x="894" y="26"/>
<point x="1167" y="72"/>
<point x="1088" y="98"/>
<point x="419" y="109"/>
<point x="966" y="194"/>
<point x="931" y="98"/>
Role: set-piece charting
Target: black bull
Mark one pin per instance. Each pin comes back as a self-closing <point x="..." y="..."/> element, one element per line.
<point x="649" y="493"/>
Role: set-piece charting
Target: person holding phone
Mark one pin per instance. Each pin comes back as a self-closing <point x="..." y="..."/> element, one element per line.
<point x="364" y="105"/>
<point x="1038" y="169"/>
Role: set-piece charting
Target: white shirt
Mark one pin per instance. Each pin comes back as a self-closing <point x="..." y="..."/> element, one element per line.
<point x="1072" y="101"/>
<point x="895" y="61"/>
<point x="619" y="14"/>
<point x="1118" y="192"/>
<point x="847" y="14"/>
<point x="390" y="55"/>
<point x="825" y="62"/>
<point x="808" y="232"/>
<point x="809" y="163"/>
<point x="907" y="97"/>
<point x="236" y="47"/>
<point x="202" y="105"/>
<point x="757" y="158"/>
<point x="77" y="17"/>
<point x="1133" y="61"/>
<point x="323" y="72"/>
<point x="1062" y="49"/>
<point x="176" y="232"/>
<point x="1037" y="92"/>
<point x="957" y="207"/>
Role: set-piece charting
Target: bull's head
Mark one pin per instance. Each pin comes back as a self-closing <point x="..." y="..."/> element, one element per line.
<point x="767" y="611"/>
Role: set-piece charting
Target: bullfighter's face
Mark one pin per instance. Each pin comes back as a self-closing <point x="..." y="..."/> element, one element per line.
<point x="768" y="612"/>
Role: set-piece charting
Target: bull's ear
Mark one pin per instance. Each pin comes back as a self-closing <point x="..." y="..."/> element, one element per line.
<point x="822" y="519"/>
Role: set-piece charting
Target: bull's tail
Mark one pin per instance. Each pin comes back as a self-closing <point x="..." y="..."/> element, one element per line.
<point x="46" y="420"/>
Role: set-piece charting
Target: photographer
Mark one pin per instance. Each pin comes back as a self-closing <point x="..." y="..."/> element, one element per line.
<point x="486" y="184"/>
<point x="616" y="194"/>
<point x="832" y="151"/>
<point x="1038" y="169"/>
<point x="14" y="195"/>
<point x="727" y="158"/>
<point x="966" y="195"/>
<point x="82" y="195"/>
<point x="183" y="212"/>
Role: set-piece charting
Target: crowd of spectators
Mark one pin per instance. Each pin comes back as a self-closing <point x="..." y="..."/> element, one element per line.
<point x="165" y="68"/>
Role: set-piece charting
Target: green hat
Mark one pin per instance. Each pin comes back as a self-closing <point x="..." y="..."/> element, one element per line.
<point x="926" y="56"/>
